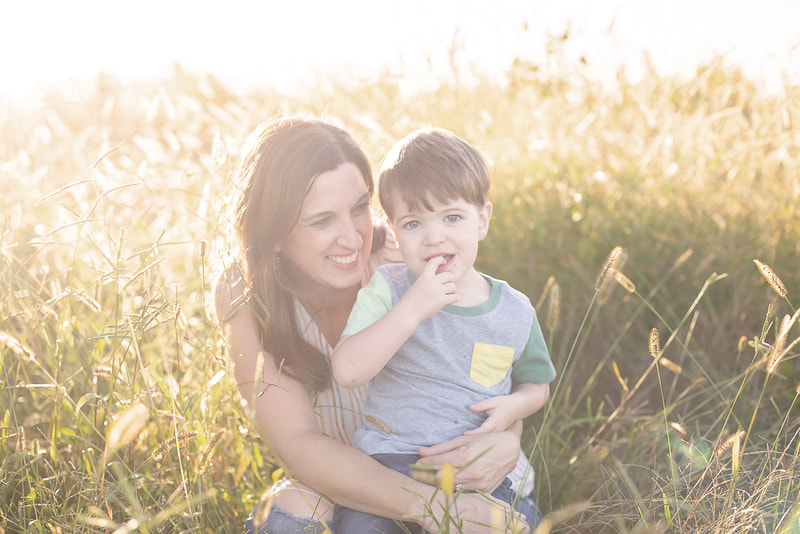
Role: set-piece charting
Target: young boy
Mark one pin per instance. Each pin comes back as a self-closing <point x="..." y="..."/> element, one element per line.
<point x="446" y="350"/>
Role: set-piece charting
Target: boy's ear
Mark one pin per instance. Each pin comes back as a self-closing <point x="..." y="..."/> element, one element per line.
<point x="390" y="225"/>
<point x="484" y="216"/>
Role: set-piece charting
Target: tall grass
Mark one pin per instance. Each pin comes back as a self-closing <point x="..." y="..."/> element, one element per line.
<point x="119" y="413"/>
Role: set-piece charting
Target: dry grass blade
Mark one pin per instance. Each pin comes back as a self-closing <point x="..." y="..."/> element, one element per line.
<point x="772" y="279"/>
<point x="61" y="190"/>
<point x="73" y="223"/>
<point x="141" y="271"/>
<point x="564" y="514"/>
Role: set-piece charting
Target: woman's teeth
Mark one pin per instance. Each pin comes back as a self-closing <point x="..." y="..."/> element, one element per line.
<point x="344" y="260"/>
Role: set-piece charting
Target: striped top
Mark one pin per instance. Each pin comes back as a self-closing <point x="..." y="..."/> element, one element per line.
<point x="338" y="409"/>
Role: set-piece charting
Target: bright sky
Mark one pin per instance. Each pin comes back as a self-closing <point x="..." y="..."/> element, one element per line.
<point x="285" y="42"/>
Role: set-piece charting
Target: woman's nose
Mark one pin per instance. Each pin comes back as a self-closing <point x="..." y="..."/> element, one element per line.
<point x="350" y="236"/>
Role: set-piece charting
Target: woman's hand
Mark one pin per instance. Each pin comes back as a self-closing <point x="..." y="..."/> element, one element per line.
<point x="477" y="514"/>
<point x="498" y="453"/>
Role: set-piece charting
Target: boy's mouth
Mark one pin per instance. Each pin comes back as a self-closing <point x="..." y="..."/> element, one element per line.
<point x="448" y="258"/>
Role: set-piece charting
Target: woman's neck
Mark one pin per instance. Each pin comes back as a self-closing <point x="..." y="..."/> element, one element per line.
<point x="330" y="314"/>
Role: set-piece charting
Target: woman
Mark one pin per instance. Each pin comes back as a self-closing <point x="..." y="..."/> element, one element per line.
<point x="304" y="223"/>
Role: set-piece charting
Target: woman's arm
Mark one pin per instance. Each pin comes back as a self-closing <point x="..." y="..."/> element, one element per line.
<point x="284" y="417"/>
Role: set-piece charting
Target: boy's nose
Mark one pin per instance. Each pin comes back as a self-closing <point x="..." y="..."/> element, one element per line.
<point x="434" y="235"/>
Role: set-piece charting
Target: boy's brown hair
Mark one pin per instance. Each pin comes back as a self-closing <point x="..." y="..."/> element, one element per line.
<point x="432" y="164"/>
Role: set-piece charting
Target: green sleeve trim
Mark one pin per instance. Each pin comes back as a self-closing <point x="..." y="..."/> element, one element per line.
<point x="534" y="365"/>
<point x="372" y="303"/>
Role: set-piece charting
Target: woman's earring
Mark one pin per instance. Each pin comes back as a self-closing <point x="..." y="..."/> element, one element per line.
<point x="276" y="261"/>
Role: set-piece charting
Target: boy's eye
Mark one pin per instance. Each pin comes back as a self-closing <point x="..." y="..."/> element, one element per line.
<point x="411" y="225"/>
<point x="452" y="218"/>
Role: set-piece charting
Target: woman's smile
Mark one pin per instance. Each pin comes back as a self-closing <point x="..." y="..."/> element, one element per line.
<point x="345" y="261"/>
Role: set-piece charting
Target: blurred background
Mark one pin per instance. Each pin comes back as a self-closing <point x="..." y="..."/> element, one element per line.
<point x="286" y="44"/>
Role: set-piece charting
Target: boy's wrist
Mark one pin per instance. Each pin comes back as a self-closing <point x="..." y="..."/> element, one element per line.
<point x="406" y="314"/>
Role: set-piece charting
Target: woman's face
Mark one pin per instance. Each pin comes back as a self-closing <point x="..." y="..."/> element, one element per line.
<point x="330" y="244"/>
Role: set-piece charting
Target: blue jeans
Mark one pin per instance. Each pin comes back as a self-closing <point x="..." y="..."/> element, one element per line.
<point x="280" y="521"/>
<point x="347" y="521"/>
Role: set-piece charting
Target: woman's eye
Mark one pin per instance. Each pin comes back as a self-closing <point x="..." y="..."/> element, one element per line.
<point x="321" y="222"/>
<point x="361" y="208"/>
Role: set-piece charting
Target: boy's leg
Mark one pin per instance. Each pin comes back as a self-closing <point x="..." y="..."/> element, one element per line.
<point x="346" y="520"/>
<point x="525" y="505"/>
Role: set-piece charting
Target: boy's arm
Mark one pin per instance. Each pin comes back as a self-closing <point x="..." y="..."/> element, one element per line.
<point x="503" y="411"/>
<point x="359" y="357"/>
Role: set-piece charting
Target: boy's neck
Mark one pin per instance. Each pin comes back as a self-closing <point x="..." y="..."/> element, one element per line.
<point x="473" y="289"/>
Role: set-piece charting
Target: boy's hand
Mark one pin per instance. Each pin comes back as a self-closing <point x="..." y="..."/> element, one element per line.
<point x="526" y="398"/>
<point x="432" y="291"/>
<point x="501" y="413"/>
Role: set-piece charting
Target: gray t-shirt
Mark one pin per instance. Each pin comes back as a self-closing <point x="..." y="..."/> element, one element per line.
<point x="457" y="357"/>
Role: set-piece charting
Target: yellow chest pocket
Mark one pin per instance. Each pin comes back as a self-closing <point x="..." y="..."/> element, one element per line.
<point x="490" y="363"/>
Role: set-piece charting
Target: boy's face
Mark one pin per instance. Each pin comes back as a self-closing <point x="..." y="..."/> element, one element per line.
<point x="452" y="229"/>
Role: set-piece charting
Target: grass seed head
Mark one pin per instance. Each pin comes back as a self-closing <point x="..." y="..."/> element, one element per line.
<point x="683" y="257"/>
<point x="88" y="301"/>
<point x="772" y="279"/>
<point x="728" y="443"/>
<point x="15" y="346"/>
<point x="742" y="343"/>
<point x="554" y="309"/>
<point x="21" y="444"/>
<point x="654" y="343"/>
<point x="670" y="365"/>
<point x="101" y="370"/>
<point x="380" y="424"/>
<point x="608" y="267"/>
<point x="625" y="282"/>
<point x="447" y="477"/>
<point x="550" y="280"/>
<point x="204" y="460"/>
<point x="780" y="347"/>
<point x="127" y="427"/>
<point x="263" y="507"/>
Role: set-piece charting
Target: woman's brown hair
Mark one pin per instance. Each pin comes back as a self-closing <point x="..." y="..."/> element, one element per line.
<point x="281" y="160"/>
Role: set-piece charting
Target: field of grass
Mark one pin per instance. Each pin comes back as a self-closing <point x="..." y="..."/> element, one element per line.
<point x="675" y="407"/>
